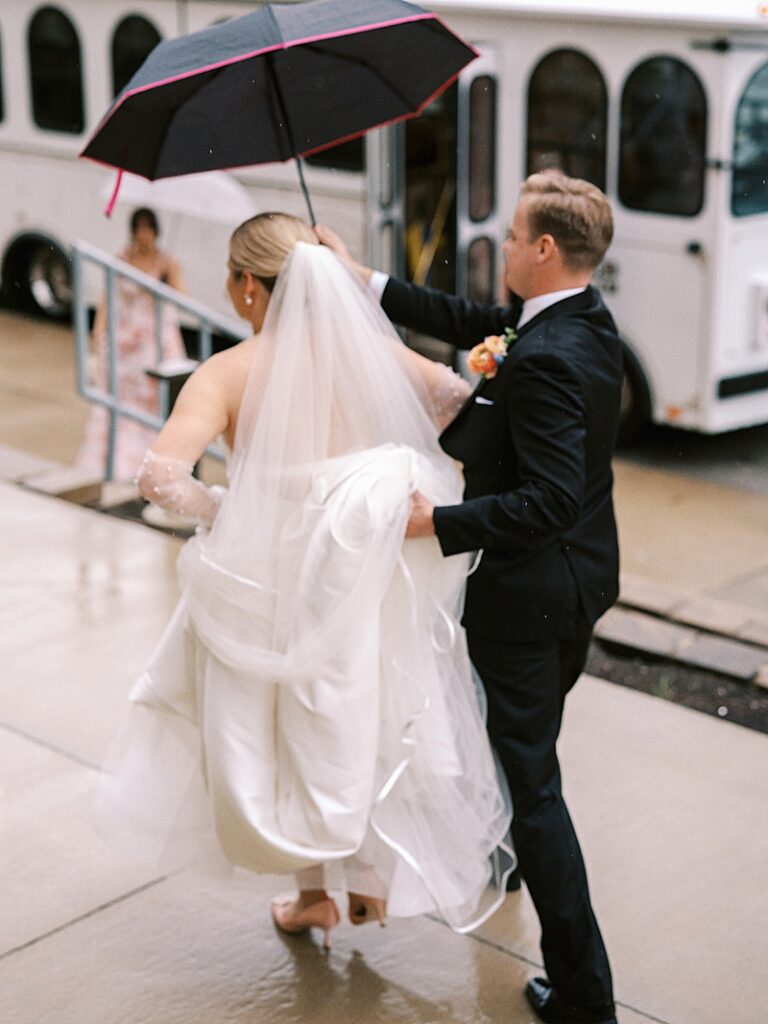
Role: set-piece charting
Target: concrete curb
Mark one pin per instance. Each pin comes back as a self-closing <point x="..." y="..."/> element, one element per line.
<point x="725" y="618"/>
<point x="659" y="633"/>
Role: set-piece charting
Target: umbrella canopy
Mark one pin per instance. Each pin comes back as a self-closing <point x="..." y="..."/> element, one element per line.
<point x="213" y="196"/>
<point x="284" y="81"/>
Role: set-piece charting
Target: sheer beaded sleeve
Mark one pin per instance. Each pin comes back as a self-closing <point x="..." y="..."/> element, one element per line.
<point x="449" y="392"/>
<point x="168" y="482"/>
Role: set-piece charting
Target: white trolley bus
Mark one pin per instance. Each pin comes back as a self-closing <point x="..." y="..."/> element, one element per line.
<point x="663" y="103"/>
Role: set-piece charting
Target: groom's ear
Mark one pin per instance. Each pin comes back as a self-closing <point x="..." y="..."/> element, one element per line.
<point x="546" y="248"/>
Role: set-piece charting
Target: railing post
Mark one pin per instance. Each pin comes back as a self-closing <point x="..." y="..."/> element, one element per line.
<point x="112" y="373"/>
<point x="81" y="321"/>
<point x="206" y="341"/>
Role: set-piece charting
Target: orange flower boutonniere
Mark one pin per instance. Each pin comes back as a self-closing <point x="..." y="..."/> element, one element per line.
<point x="487" y="357"/>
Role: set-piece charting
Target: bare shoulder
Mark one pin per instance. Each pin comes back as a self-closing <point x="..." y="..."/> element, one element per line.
<point x="227" y="367"/>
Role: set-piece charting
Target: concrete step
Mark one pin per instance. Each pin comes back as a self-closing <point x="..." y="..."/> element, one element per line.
<point x="67" y="482"/>
<point x="48" y="477"/>
<point x="16" y="464"/>
<point x="725" y="618"/>
<point x="675" y="641"/>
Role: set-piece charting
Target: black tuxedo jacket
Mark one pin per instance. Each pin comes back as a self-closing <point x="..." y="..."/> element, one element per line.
<point x="536" y="444"/>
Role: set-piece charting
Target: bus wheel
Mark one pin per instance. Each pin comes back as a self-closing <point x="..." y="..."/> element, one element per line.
<point x="37" y="277"/>
<point x="635" y="407"/>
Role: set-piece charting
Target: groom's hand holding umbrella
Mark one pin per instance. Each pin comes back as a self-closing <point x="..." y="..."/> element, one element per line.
<point x="329" y="238"/>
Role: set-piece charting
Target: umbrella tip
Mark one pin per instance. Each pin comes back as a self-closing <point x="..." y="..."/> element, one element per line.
<point x="113" y="198"/>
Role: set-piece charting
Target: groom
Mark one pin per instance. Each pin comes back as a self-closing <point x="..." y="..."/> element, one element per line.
<point x="536" y="440"/>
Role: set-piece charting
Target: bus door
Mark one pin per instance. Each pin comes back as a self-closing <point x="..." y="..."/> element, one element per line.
<point x="657" y="275"/>
<point x="432" y="194"/>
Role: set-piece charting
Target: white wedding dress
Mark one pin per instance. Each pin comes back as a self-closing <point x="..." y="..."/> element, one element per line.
<point x="311" y="706"/>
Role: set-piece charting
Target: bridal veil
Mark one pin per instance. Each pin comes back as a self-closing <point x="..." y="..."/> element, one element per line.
<point x="311" y="701"/>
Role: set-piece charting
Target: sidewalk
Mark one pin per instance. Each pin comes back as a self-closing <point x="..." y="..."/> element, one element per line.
<point x="693" y="553"/>
<point x="672" y="807"/>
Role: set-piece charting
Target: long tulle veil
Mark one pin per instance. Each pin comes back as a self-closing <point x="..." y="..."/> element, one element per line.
<point x="333" y="694"/>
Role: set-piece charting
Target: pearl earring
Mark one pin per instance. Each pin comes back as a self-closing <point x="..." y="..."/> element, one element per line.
<point x="248" y="300"/>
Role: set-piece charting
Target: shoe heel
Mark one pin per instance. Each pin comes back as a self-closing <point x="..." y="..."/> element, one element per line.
<point x="369" y="909"/>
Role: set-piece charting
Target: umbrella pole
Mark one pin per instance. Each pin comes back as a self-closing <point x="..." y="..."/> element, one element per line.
<point x="300" y="169"/>
<point x="286" y="121"/>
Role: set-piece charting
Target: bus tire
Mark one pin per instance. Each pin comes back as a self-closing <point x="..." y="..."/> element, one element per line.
<point x="37" y="277"/>
<point x="635" y="408"/>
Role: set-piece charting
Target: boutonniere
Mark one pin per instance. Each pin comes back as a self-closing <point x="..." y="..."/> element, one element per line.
<point x="487" y="357"/>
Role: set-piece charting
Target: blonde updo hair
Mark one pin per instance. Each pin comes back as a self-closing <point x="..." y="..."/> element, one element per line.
<point x="262" y="244"/>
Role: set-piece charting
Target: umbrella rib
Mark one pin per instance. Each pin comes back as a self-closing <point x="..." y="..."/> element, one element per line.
<point x="353" y="59"/>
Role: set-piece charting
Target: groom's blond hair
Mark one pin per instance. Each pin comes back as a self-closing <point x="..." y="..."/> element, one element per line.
<point x="575" y="212"/>
<point x="263" y="243"/>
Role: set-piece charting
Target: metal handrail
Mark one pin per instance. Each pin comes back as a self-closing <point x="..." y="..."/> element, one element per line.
<point x="207" y="321"/>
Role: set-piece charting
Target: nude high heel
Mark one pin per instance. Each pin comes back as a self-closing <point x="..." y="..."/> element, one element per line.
<point x="293" y="919"/>
<point x="363" y="909"/>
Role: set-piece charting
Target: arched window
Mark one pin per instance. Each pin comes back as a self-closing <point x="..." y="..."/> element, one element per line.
<point x="663" y="139"/>
<point x="133" y="38"/>
<point x="55" y="72"/>
<point x="749" y="193"/>
<point x="567" y="116"/>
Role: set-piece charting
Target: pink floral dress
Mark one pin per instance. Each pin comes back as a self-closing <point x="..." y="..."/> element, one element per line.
<point x="136" y="353"/>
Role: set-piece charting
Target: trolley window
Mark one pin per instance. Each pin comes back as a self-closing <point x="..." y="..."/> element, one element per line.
<point x="482" y="147"/>
<point x="481" y="268"/>
<point x="750" y="148"/>
<point x="56" y="72"/>
<point x="132" y="41"/>
<point x="567" y="116"/>
<point x="663" y="139"/>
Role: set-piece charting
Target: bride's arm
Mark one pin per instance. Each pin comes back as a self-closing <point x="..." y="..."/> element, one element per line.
<point x="165" y="478"/>
<point x="446" y="391"/>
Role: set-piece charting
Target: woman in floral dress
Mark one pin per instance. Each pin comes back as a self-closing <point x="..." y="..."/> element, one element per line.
<point x="136" y="351"/>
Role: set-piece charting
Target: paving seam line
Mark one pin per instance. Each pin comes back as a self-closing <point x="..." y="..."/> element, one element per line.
<point x="75" y="758"/>
<point x="84" y="917"/>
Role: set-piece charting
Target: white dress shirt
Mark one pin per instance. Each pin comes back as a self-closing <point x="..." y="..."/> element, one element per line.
<point x="532" y="307"/>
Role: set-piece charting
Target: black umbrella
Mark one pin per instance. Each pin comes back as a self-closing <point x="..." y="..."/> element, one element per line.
<point x="285" y="81"/>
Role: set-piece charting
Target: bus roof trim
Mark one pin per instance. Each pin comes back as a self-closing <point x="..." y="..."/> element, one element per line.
<point x="702" y="14"/>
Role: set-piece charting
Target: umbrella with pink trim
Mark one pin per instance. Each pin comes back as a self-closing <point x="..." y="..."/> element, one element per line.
<point x="282" y="82"/>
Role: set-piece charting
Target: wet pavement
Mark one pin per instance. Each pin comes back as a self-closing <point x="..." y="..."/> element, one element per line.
<point x="671" y="806"/>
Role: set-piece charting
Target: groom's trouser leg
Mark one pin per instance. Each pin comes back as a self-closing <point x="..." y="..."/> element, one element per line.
<point x="526" y="684"/>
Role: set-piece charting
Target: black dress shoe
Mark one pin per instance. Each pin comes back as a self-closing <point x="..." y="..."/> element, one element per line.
<point x="550" y="1008"/>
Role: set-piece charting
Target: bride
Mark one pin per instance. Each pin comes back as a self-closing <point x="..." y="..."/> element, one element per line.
<point x="310" y="708"/>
